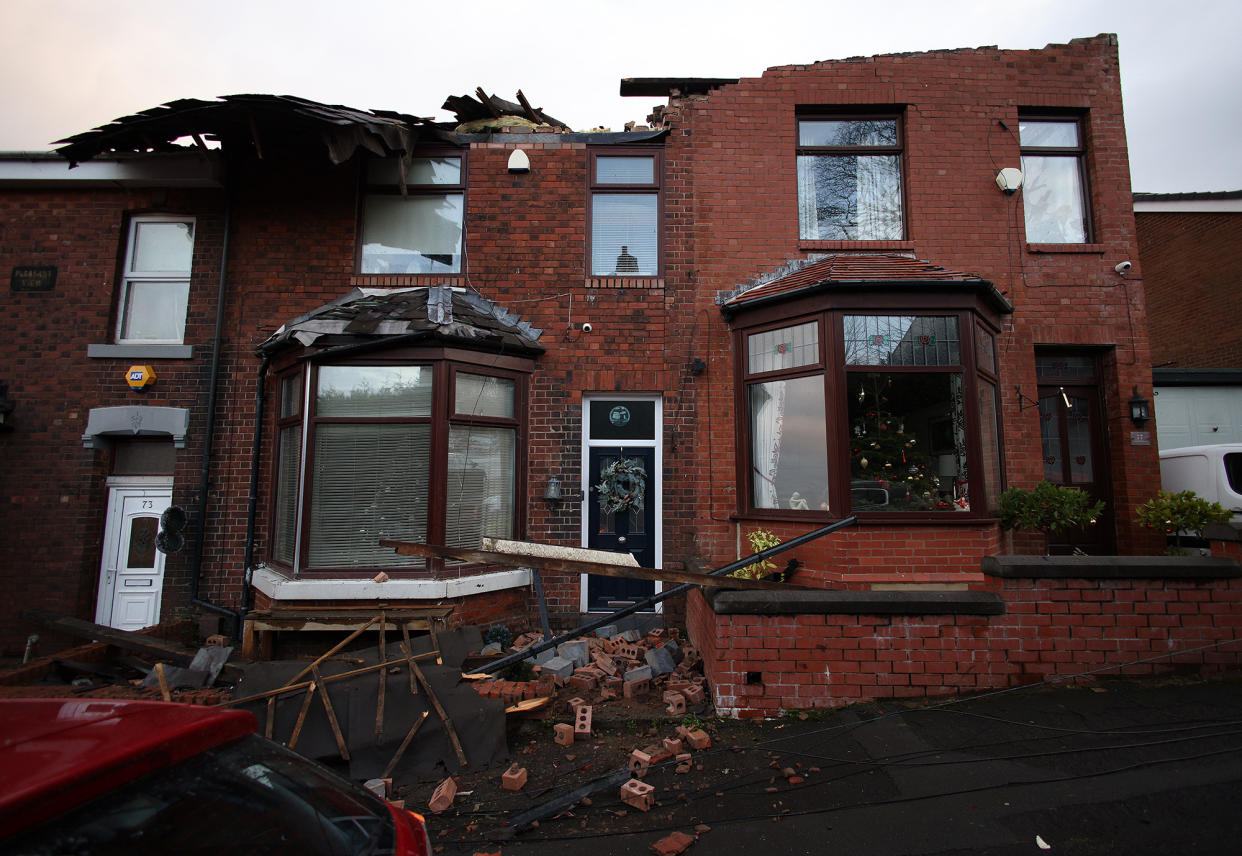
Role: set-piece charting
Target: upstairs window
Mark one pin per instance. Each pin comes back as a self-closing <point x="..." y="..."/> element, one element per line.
<point x="849" y="179"/>
<point x="625" y="214"/>
<point x="1053" y="180"/>
<point x="155" y="285"/>
<point x="420" y="230"/>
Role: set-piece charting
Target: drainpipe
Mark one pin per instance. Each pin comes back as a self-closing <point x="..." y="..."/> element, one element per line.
<point x="205" y="475"/>
<point x="252" y="503"/>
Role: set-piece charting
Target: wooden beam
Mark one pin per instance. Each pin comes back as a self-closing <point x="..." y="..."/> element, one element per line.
<point x="548" y="563"/>
<point x="444" y="717"/>
<point x="531" y="112"/>
<point x="327" y="706"/>
<point x="141" y="643"/>
<point x="405" y="744"/>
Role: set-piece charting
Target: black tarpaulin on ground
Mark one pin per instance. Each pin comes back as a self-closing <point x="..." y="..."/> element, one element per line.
<point x="479" y="722"/>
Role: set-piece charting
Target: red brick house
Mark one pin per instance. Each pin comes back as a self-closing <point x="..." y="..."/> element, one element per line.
<point x="1191" y="244"/>
<point x="793" y="299"/>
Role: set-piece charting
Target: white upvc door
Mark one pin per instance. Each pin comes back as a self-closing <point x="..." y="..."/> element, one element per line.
<point x="131" y="574"/>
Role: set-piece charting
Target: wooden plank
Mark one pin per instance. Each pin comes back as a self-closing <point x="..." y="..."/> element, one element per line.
<point x="405" y="650"/>
<point x="547" y="563"/>
<point x="270" y="725"/>
<point x="297" y="726"/>
<point x="345" y="609"/>
<point x="405" y="744"/>
<point x="338" y="646"/>
<point x="444" y="717"/>
<point x="152" y="646"/>
<point x="159" y="676"/>
<point x="383" y="685"/>
<point x="335" y="626"/>
<point x="327" y="705"/>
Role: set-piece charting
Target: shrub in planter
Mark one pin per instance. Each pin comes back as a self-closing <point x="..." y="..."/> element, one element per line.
<point x="760" y="540"/>
<point x="1048" y="508"/>
<point x="1180" y="512"/>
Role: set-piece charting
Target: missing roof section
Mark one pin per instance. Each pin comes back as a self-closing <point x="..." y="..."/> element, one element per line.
<point x="249" y="121"/>
<point x="490" y="112"/>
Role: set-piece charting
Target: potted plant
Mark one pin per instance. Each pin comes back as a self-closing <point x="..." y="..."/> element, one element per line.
<point x="1180" y="512"/>
<point x="1048" y="508"/>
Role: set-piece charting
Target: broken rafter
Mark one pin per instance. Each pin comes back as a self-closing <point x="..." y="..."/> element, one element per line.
<point x="548" y="563"/>
<point x="531" y="112"/>
<point x="289" y="688"/>
<point x="486" y="101"/>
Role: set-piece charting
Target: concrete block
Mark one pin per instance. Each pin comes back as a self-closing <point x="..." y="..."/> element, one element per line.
<point x="641" y="673"/>
<point x="660" y="660"/>
<point x="575" y="650"/>
<point x="564" y="734"/>
<point x="637" y="794"/>
<point x="607" y="631"/>
<point x="443" y="796"/>
<point x="559" y="667"/>
<point x="630" y="635"/>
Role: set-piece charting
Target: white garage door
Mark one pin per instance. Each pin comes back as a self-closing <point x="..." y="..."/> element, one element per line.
<point x="1198" y="415"/>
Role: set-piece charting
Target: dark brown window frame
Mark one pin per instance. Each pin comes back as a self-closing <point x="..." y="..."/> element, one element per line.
<point x="656" y="188"/>
<point x="887" y="111"/>
<point x="366" y="188"/>
<point x="445" y="363"/>
<point x="828" y="314"/>
<point x="1079" y="152"/>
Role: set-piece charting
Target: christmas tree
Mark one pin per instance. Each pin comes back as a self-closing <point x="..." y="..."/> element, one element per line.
<point x="882" y="450"/>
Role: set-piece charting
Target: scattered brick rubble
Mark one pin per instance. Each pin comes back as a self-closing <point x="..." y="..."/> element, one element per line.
<point x="655" y="669"/>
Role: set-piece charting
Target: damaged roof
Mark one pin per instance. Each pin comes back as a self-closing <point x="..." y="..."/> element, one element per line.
<point x="808" y="275"/>
<point x="439" y="313"/>
<point x="490" y="107"/>
<point x="251" y="118"/>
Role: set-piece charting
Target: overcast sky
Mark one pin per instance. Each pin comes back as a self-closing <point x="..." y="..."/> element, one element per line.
<point x="70" y="65"/>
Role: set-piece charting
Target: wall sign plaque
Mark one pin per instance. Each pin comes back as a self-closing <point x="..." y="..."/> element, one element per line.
<point x="33" y="278"/>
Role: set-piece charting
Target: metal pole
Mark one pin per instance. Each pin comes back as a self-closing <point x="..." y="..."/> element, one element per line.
<point x="493" y="667"/>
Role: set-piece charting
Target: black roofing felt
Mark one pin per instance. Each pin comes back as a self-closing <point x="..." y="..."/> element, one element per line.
<point x="250" y="118"/>
<point x="439" y="313"/>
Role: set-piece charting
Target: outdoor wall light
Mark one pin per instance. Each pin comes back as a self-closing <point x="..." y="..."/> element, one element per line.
<point x="553" y="491"/>
<point x="1140" y="409"/>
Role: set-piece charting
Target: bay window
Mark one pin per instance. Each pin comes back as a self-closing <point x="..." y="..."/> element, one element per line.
<point x="422" y="451"/>
<point x="861" y="411"/>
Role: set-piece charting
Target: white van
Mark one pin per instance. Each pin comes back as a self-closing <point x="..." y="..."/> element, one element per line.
<point x="1213" y="472"/>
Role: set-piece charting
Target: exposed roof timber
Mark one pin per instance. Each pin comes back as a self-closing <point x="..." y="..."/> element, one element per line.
<point x="658" y="87"/>
<point x="467" y="109"/>
<point x="240" y="118"/>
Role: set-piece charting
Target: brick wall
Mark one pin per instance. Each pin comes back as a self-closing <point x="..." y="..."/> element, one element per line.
<point x="759" y="664"/>
<point x="734" y="149"/>
<point x="1190" y="273"/>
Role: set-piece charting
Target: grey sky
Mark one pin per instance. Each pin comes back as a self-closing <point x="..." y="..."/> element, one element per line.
<point x="69" y="65"/>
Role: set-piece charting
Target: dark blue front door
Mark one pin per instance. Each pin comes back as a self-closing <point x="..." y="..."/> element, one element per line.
<point x="630" y="531"/>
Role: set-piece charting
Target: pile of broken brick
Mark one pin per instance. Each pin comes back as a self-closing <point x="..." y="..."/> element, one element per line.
<point x="614" y="663"/>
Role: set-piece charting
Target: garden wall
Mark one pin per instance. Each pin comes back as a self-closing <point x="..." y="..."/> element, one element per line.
<point x="1036" y="619"/>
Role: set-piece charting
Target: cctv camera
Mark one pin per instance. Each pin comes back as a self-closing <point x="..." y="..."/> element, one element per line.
<point x="1123" y="267"/>
<point x="586" y="327"/>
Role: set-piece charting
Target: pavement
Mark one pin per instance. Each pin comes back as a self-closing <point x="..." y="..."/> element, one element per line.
<point x="1110" y="766"/>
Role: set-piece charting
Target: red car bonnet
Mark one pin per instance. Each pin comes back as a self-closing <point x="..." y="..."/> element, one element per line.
<point x="58" y="753"/>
